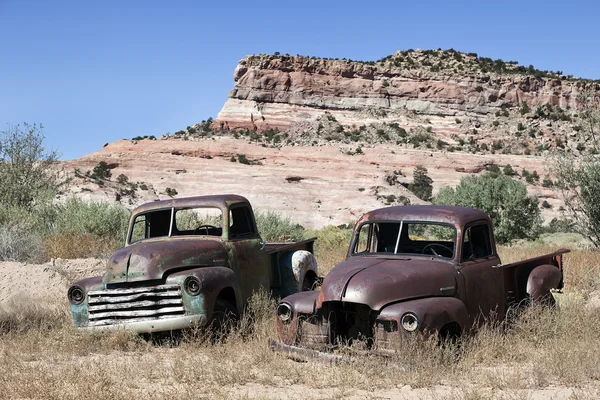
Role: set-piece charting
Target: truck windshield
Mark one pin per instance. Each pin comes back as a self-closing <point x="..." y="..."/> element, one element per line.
<point x="176" y="222"/>
<point x="405" y="237"/>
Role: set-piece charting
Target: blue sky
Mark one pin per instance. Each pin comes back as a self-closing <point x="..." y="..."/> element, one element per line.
<point x="98" y="71"/>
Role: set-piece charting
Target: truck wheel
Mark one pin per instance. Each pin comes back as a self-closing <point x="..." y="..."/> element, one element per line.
<point x="222" y="321"/>
<point x="294" y="268"/>
<point x="310" y="281"/>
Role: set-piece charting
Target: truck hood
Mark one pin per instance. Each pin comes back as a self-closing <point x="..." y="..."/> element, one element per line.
<point x="151" y="259"/>
<point x="376" y="281"/>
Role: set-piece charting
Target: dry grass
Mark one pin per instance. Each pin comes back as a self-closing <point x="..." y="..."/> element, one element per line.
<point x="79" y="245"/>
<point x="42" y="356"/>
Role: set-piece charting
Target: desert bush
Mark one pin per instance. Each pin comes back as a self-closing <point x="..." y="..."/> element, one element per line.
<point x="20" y="245"/>
<point x="331" y="245"/>
<point x="578" y="179"/>
<point x="100" y="219"/>
<point x="274" y="227"/>
<point x="514" y="214"/>
<point x="101" y="171"/>
<point x="82" y="229"/>
<point x="421" y="185"/>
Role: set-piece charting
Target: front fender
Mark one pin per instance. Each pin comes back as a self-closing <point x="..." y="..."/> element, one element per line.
<point x="302" y="305"/>
<point x="213" y="280"/>
<point x="541" y="280"/>
<point x="432" y="313"/>
<point x="80" y="311"/>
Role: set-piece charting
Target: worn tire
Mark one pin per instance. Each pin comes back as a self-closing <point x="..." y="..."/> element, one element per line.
<point x="222" y="320"/>
<point x="309" y="282"/>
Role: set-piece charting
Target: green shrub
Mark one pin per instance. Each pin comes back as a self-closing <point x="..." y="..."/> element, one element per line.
<point x="274" y="227"/>
<point x="421" y="185"/>
<point x="101" y="171"/>
<point x="508" y="170"/>
<point x="514" y="214"/>
<point x="99" y="219"/>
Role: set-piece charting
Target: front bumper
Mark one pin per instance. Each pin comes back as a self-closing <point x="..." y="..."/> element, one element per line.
<point x="149" y="326"/>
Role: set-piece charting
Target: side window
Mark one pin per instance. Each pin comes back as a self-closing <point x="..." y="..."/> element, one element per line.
<point x="364" y="240"/>
<point x="240" y="220"/>
<point x="140" y="228"/>
<point x="476" y="243"/>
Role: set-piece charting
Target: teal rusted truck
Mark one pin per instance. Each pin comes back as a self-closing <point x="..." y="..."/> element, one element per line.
<point x="186" y="263"/>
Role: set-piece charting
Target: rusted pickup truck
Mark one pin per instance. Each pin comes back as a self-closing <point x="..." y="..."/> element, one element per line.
<point x="188" y="262"/>
<point x="431" y="269"/>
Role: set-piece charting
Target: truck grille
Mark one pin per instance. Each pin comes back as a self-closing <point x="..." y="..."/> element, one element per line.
<point x="118" y="306"/>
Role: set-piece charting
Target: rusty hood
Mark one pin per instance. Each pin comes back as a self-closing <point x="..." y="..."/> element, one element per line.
<point x="376" y="281"/>
<point x="151" y="259"/>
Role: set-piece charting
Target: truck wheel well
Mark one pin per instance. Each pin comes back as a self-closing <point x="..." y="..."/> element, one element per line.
<point x="450" y="331"/>
<point x="228" y="295"/>
<point x="309" y="280"/>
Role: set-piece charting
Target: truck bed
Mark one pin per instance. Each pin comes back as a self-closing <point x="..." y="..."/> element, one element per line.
<point x="274" y="248"/>
<point x="516" y="274"/>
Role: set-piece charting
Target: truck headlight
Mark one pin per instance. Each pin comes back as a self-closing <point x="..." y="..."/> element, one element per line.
<point x="76" y="295"/>
<point x="192" y="285"/>
<point x="409" y="322"/>
<point x="284" y="312"/>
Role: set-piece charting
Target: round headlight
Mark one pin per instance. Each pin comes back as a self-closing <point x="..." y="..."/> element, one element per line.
<point x="76" y="295"/>
<point x="284" y="312"/>
<point x="192" y="285"/>
<point x="410" y="322"/>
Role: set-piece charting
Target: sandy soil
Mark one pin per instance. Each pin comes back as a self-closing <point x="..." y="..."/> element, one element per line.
<point x="50" y="281"/>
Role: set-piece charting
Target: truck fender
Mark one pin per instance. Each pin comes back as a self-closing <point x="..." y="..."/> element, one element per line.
<point x="214" y="281"/>
<point x="298" y="271"/>
<point x="433" y="313"/>
<point x="88" y="284"/>
<point x="541" y="279"/>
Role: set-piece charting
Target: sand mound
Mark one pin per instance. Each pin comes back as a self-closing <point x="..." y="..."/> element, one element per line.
<point x="48" y="281"/>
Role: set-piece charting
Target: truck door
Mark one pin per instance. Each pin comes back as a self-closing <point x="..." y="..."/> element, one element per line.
<point x="252" y="264"/>
<point x="483" y="281"/>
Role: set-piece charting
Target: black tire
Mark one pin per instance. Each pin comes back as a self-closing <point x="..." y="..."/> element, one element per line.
<point x="222" y="321"/>
<point x="310" y="281"/>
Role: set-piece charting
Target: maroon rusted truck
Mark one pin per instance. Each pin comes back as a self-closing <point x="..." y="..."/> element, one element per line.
<point x="430" y="269"/>
<point x="188" y="262"/>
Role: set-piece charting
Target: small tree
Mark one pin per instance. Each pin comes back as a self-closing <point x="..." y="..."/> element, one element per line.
<point x="28" y="171"/>
<point x="514" y="214"/>
<point x="579" y="179"/>
<point x="101" y="171"/>
<point x="421" y="185"/>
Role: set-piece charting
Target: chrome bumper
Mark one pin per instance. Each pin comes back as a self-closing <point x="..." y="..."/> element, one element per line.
<point x="149" y="326"/>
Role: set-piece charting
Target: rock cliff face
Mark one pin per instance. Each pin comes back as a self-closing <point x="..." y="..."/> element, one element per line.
<point x="276" y="92"/>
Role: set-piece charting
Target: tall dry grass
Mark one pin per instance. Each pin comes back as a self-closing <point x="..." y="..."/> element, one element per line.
<point x="43" y="356"/>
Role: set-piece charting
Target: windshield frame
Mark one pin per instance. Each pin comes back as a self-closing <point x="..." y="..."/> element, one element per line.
<point x="173" y="210"/>
<point x="355" y="237"/>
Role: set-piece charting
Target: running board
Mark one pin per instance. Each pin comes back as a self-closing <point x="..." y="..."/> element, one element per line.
<point x="300" y="351"/>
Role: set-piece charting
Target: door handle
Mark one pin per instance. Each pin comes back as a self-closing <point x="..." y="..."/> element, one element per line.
<point x="262" y="245"/>
<point x="497" y="266"/>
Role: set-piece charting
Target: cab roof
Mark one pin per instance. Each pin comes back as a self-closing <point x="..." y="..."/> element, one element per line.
<point x="219" y="201"/>
<point x="426" y="213"/>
